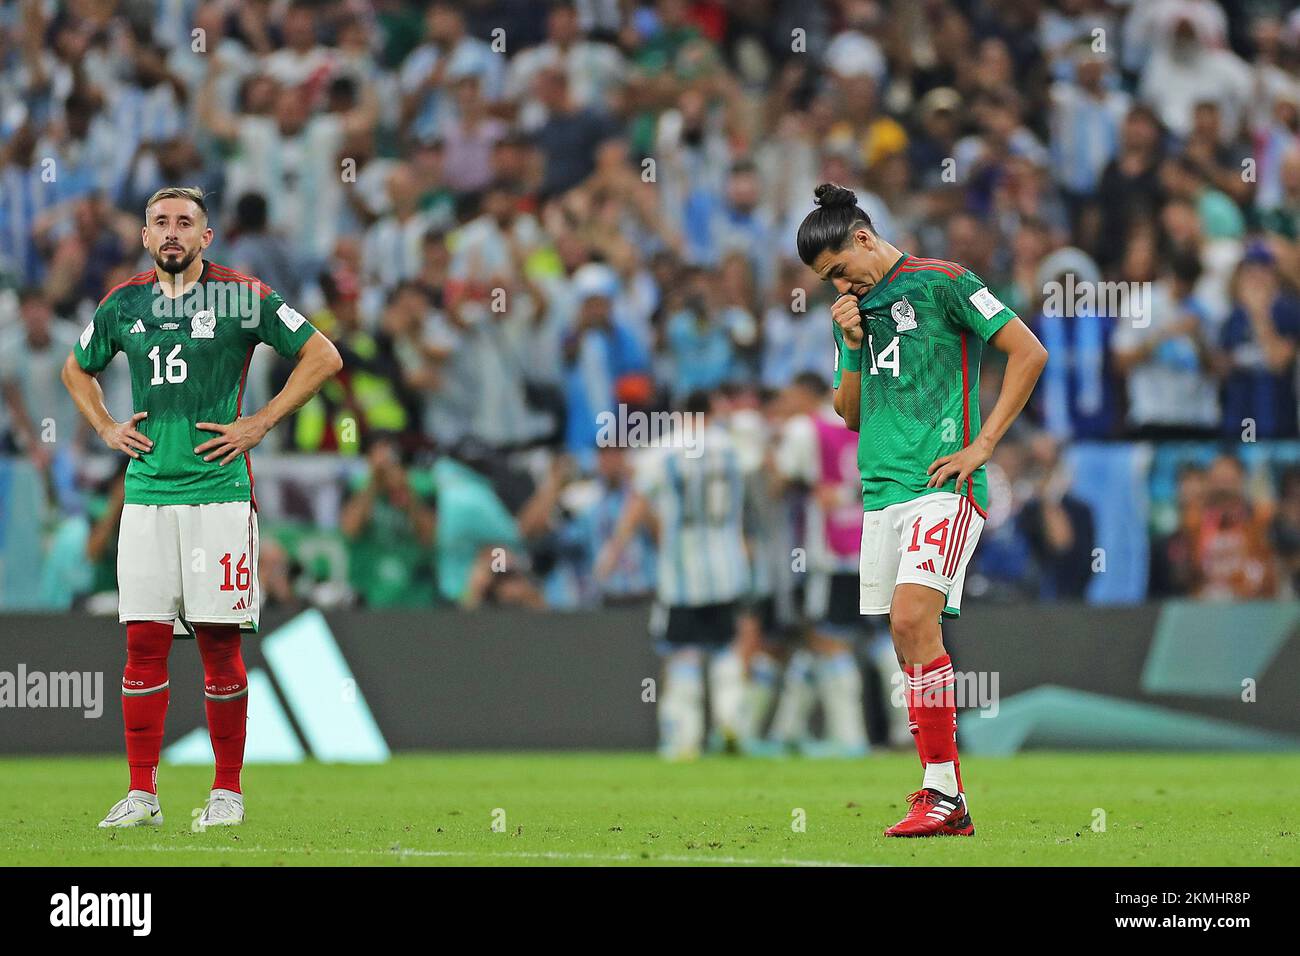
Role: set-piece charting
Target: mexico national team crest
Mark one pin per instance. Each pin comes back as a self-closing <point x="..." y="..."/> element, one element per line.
<point x="904" y="315"/>
<point x="203" y="325"/>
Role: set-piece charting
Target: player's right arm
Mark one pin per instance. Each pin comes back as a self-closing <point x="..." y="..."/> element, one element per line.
<point x="848" y="360"/>
<point x="88" y="358"/>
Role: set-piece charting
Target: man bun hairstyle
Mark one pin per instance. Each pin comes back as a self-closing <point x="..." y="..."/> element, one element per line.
<point x="829" y="226"/>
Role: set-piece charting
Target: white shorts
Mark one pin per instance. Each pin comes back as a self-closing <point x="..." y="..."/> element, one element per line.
<point x="193" y="562"/>
<point x="928" y="540"/>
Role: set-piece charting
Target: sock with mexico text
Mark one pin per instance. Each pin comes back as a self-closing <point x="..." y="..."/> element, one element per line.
<point x="931" y="694"/>
<point x="144" y="699"/>
<point x="225" y="689"/>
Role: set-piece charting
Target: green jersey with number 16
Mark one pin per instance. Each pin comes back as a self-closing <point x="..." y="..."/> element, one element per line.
<point x="188" y="357"/>
<point x="925" y="324"/>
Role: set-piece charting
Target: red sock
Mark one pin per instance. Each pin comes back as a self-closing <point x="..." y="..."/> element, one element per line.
<point x="956" y="761"/>
<point x="225" y="685"/>
<point x="144" y="699"/>
<point x="932" y="695"/>
<point x="911" y="726"/>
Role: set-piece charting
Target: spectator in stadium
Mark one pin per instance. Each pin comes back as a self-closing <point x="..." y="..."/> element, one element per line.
<point x="1189" y="65"/>
<point x="1003" y="566"/>
<point x="275" y="575"/>
<point x="605" y="365"/>
<point x="393" y="249"/>
<point x="1165" y="356"/>
<point x="173" y="160"/>
<point x="1257" y="352"/>
<point x="1173" y="557"/>
<point x="500" y="578"/>
<point x="793" y="339"/>
<point x="301" y="62"/>
<point x="593" y="68"/>
<point x="1078" y="397"/>
<point x="291" y="156"/>
<point x="1185" y="178"/>
<point x="469" y="137"/>
<point x="83" y="240"/>
<point x="1087" y="113"/>
<point x="1130" y="190"/>
<point x="1280" y="221"/>
<point x="1220" y="155"/>
<point x="1233" y="558"/>
<point x="570" y="135"/>
<point x="1274" y="137"/>
<point x="256" y="249"/>
<point x="426" y="74"/>
<point x="365" y="400"/>
<point x="148" y="110"/>
<point x="1057" y="526"/>
<point x="1032" y="243"/>
<point x="389" y="521"/>
<point x="497" y="237"/>
<point x="477" y="538"/>
<point x="82" y="146"/>
<point x="936" y="140"/>
<point x="706" y="338"/>
<point x="43" y="421"/>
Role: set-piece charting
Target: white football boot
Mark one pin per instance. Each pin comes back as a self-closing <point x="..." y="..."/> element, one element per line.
<point x="138" y="808"/>
<point x="225" y="808"/>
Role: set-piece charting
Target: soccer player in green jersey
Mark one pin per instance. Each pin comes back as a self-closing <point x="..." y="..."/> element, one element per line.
<point x="187" y="547"/>
<point x="909" y="333"/>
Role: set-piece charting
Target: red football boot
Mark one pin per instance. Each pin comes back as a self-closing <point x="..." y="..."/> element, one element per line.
<point x="933" y="814"/>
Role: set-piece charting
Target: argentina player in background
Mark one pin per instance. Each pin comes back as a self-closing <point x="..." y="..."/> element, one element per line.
<point x="692" y="490"/>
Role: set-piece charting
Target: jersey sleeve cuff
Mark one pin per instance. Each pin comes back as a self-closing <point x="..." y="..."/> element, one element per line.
<point x="851" y="359"/>
<point x="997" y="322"/>
<point x="85" y="364"/>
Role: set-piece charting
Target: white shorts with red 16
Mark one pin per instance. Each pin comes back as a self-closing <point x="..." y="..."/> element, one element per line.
<point x="196" y="562"/>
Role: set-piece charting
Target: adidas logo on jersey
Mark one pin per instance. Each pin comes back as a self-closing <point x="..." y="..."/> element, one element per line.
<point x="138" y="327"/>
<point x="927" y="566"/>
<point x="242" y="605"/>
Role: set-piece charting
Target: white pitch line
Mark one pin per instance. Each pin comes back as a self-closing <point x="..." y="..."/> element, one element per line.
<point x="508" y="854"/>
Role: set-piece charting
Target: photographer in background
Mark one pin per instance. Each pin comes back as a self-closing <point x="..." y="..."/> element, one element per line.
<point x="389" y="521"/>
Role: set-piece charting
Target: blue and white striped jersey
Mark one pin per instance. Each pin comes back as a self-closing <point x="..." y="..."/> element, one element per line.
<point x="698" y="497"/>
<point x="1085" y="135"/>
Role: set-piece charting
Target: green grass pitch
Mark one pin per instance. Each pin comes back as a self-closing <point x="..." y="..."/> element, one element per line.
<point x="632" y="809"/>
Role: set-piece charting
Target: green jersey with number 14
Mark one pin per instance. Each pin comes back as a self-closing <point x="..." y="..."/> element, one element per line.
<point x="925" y="324"/>
<point x="188" y="357"/>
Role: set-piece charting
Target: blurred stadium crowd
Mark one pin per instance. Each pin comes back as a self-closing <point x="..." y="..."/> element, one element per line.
<point x="513" y="215"/>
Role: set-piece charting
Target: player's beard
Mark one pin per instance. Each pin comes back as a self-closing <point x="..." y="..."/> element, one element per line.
<point x="174" y="262"/>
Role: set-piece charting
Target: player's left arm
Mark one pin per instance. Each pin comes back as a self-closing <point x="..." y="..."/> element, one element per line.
<point x="317" y="361"/>
<point x="980" y="311"/>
